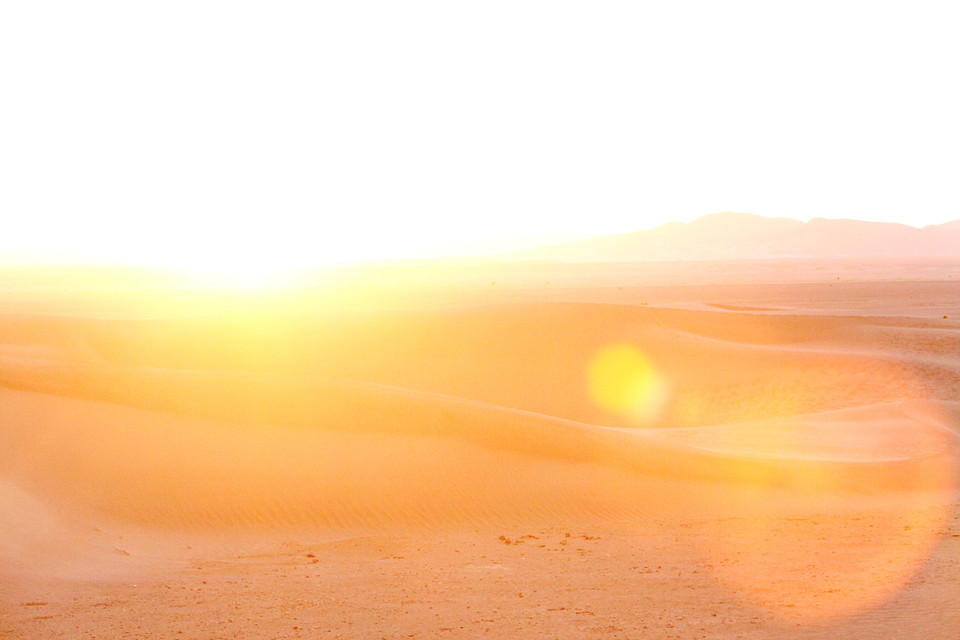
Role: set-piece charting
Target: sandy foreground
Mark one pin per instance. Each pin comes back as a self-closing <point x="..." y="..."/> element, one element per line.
<point x="705" y="451"/>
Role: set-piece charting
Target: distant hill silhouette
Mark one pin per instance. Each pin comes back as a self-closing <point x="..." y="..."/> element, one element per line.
<point x="739" y="236"/>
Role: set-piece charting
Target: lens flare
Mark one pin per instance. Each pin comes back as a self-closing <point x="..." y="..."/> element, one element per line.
<point x="819" y="536"/>
<point x="623" y="380"/>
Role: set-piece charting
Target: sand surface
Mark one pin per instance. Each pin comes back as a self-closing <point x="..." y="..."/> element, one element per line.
<point x="702" y="451"/>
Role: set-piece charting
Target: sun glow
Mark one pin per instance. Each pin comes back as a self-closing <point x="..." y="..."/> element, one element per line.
<point x="225" y="275"/>
<point x="241" y="266"/>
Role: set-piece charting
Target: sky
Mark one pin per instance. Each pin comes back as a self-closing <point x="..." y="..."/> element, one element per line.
<point x="263" y="134"/>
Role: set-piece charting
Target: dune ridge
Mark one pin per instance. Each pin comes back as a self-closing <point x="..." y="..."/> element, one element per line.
<point x="294" y="466"/>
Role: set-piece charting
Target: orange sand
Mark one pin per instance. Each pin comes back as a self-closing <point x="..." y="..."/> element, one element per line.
<point x="425" y="452"/>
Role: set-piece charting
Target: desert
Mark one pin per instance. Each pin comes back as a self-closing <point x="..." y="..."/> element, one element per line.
<point x="527" y="449"/>
<point x="505" y="319"/>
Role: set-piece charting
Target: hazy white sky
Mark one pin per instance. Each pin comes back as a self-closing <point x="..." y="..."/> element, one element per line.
<point x="274" y="132"/>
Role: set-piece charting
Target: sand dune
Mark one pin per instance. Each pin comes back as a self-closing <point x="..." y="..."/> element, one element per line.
<point x="130" y="441"/>
<point x="426" y="459"/>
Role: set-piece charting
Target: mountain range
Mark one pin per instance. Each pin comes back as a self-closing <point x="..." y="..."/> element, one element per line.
<point x="742" y="236"/>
